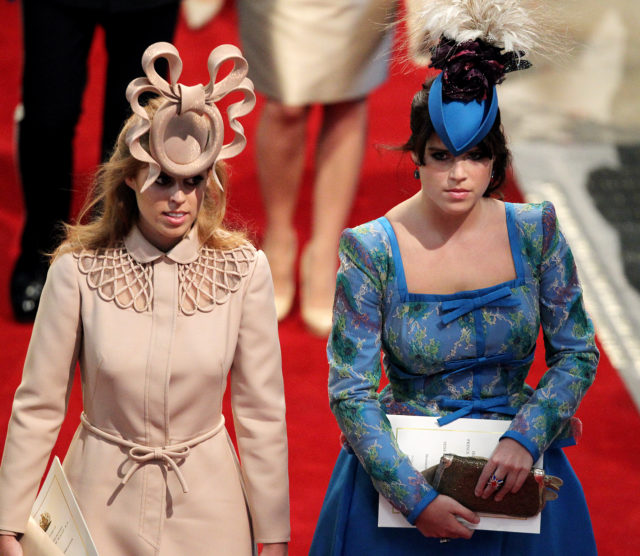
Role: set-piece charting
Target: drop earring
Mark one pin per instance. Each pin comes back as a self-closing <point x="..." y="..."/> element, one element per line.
<point x="416" y="173"/>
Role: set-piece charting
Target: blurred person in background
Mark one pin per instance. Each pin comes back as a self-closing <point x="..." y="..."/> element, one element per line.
<point x="57" y="37"/>
<point x="301" y="53"/>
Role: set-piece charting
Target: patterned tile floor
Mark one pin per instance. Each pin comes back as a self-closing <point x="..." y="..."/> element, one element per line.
<point x="574" y="125"/>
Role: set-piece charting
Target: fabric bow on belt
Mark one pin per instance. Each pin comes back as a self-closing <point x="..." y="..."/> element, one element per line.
<point x="498" y="404"/>
<point x="144" y="454"/>
<point x="466" y="407"/>
<point x="141" y="454"/>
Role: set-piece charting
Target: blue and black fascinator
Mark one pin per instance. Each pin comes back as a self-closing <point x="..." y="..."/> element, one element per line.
<point x="475" y="43"/>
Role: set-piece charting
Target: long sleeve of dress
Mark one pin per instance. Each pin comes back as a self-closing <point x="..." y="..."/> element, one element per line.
<point x="40" y="402"/>
<point x="354" y="377"/>
<point x="571" y="353"/>
<point x="257" y="398"/>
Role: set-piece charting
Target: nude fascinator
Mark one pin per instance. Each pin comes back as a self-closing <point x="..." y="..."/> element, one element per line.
<point x="186" y="134"/>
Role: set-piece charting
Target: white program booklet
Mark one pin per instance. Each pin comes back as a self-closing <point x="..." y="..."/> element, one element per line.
<point x="56" y="512"/>
<point x="424" y="441"/>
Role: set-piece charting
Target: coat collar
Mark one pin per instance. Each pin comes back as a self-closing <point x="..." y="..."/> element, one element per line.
<point x="144" y="252"/>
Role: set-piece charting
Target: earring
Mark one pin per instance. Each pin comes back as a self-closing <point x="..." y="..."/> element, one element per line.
<point x="416" y="173"/>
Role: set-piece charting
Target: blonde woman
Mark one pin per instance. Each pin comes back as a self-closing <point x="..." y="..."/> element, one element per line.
<point x="160" y="305"/>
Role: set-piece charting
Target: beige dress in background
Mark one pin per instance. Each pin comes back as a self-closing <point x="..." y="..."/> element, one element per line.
<point x="316" y="51"/>
<point x="156" y="336"/>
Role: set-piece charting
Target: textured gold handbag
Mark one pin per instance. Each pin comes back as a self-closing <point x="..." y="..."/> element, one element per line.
<point x="457" y="476"/>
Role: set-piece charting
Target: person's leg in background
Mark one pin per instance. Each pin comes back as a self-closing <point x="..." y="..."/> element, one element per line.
<point x="127" y="35"/>
<point x="56" y="42"/>
<point x="280" y="150"/>
<point x="338" y="162"/>
<point x="339" y="151"/>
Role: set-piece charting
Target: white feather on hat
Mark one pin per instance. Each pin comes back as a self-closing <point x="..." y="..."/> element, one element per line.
<point x="505" y="24"/>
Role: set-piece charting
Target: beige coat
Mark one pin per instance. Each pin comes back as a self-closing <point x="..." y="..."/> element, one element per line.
<point x="156" y="336"/>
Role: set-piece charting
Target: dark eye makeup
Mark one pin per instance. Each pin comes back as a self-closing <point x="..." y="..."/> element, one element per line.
<point x="164" y="180"/>
<point x="443" y="155"/>
<point x="478" y="154"/>
<point x="194" y="181"/>
<point x="439" y="154"/>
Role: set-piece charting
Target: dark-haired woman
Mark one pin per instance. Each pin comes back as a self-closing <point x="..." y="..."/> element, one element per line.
<point x="453" y="285"/>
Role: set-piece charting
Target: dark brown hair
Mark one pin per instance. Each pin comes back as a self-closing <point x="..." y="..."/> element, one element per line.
<point x="494" y="145"/>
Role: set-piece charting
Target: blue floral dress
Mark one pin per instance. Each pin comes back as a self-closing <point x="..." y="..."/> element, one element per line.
<point x="460" y="355"/>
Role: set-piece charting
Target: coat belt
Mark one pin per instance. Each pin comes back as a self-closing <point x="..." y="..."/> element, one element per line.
<point x="141" y="454"/>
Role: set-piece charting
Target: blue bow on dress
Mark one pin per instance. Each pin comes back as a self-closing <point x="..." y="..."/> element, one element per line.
<point x="457" y="307"/>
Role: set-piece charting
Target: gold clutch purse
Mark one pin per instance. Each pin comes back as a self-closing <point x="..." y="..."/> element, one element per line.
<point x="457" y="476"/>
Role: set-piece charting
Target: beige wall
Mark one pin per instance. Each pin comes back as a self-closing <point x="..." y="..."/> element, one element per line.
<point x="592" y="92"/>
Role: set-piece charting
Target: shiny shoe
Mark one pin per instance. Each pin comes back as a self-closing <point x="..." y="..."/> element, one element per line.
<point x="316" y="312"/>
<point x="282" y="261"/>
<point x="26" y="288"/>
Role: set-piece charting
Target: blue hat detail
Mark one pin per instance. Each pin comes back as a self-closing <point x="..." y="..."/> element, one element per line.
<point x="461" y="125"/>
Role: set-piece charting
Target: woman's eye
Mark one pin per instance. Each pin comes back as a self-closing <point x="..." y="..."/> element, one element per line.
<point x="476" y="155"/>
<point x="194" y="181"/>
<point x="439" y="155"/>
<point x="163" y="180"/>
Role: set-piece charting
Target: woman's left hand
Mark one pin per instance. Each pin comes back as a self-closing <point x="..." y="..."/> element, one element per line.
<point x="274" y="549"/>
<point x="511" y="463"/>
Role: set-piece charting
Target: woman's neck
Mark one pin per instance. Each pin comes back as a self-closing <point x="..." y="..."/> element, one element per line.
<point x="438" y="227"/>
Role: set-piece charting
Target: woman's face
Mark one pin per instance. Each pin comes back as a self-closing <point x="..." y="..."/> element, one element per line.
<point x="453" y="184"/>
<point x="169" y="207"/>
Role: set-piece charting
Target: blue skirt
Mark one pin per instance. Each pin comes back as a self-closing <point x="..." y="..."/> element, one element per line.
<point x="348" y="522"/>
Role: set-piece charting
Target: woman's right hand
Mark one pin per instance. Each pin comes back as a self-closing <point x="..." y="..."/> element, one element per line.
<point x="9" y="546"/>
<point x="438" y="519"/>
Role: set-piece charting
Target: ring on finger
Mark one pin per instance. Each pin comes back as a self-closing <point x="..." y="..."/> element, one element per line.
<point x="494" y="482"/>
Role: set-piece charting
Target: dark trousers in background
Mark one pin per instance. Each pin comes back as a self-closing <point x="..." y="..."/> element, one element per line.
<point x="57" y="39"/>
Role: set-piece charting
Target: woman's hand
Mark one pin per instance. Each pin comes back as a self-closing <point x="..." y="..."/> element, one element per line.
<point x="511" y="463"/>
<point x="439" y="519"/>
<point x="274" y="549"/>
<point x="9" y="546"/>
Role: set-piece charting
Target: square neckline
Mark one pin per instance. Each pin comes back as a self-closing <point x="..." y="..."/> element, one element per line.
<point x="406" y="295"/>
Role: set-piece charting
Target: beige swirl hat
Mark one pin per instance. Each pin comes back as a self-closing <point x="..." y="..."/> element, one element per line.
<point x="187" y="131"/>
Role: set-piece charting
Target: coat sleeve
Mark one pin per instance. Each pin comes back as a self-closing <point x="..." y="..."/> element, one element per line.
<point x="570" y="348"/>
<point x="40" y="402"/>
<point x="354" y="378"/>
<point x="257" y="401"/>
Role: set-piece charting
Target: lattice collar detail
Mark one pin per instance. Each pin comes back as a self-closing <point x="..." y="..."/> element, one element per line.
<point x="118" y="277"/>
<point x="212" y="278"/>
<point x="126" y="278"/>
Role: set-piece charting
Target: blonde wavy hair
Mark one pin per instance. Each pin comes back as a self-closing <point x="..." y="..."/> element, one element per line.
<point x="111" y="209"/>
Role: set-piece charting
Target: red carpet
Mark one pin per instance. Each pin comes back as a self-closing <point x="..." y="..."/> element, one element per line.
<point x="607" y="458"/>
